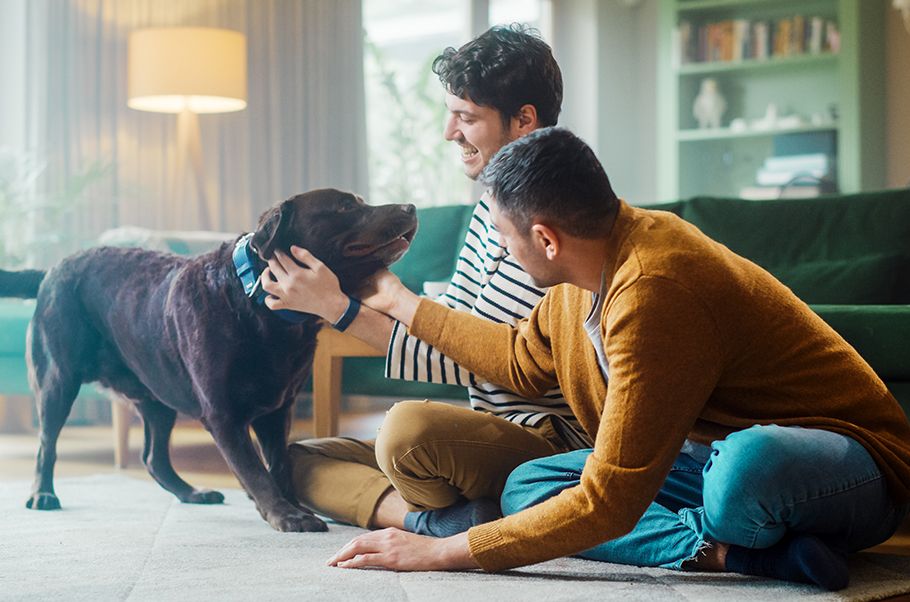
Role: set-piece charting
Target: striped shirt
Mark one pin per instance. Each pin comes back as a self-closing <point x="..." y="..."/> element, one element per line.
<point x="490" y="284"/>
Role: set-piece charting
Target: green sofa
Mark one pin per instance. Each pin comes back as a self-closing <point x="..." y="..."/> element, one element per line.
<point x="848" y="256"/>
<point x="14" y="317"/>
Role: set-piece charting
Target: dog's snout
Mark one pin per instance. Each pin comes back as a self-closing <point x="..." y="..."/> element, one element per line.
<point x="409" y="209"/>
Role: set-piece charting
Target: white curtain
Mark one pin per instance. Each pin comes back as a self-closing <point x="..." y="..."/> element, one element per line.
<point x="304" y="126"/>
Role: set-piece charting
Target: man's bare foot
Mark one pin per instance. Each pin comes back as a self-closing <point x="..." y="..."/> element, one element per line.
<point x="713" y="558"/>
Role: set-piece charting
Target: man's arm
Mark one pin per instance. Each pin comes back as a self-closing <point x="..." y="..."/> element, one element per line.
<point x="314" y="289"/>
<point x="372" y="328"/>
<point x="516" y="357"/>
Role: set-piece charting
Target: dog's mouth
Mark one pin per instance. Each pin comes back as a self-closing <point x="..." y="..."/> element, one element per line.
<point x="391" y="248"/>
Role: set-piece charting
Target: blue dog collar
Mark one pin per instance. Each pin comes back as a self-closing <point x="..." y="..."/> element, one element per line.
<point x="245" y="265"/>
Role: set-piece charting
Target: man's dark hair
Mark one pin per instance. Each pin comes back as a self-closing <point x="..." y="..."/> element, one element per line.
<point x="551" y="175"/>
<point x="504" y="68"/>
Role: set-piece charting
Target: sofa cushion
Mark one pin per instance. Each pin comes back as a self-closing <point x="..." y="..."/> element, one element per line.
<point x="869" y="279"/>
<point x="790" y="232"/>
<point x="880" y="333"/>
<point x="440" y="234"/>
<point x="14" y="318"/>
<point x="13" y="375"/>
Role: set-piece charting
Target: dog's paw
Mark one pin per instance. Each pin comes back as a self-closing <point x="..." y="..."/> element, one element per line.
<point x="203" y="496"/>
<point x="43" y="501"/>
<point x="297" y="522"/>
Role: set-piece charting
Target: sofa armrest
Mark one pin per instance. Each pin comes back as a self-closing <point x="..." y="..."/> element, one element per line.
<point x="880" y="333"/>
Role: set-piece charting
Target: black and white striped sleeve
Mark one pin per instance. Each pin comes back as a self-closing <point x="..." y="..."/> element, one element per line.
<point x="409" y="358"/>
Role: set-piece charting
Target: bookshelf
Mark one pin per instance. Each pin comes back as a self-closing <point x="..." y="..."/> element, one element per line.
<point x="820" y="62"/>
<point x="798" y="61"/>
<point x="697" y="135"/>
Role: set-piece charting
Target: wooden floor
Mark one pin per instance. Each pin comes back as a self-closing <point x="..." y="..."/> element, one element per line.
<point x="86" y="450"/>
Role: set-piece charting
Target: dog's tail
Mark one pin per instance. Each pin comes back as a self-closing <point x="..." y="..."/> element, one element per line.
<point x="22" y="284"/>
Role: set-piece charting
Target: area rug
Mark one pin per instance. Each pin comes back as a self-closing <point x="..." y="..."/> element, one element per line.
<point x="119" y="538"/>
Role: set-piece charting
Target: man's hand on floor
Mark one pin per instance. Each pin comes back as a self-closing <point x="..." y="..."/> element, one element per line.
<point x="403" y="551"/>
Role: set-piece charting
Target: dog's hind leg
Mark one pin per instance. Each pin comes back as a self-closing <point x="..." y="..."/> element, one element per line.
<point x="55" y="394"/>
<point x="272" y="432"/>
<point x="61" y="353"/>
<point x="158" y="422"/>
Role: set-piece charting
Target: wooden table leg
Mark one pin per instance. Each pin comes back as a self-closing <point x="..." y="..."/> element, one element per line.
<point x="121" y="416"/>
<point x="327" y="370"/>
<point x="16" y="414"/>
<point x="331" y="349"/>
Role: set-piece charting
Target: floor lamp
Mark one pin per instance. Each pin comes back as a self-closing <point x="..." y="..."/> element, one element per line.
<point x="188" y="71"/>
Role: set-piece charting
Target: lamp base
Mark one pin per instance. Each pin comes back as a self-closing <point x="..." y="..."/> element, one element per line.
<point x="189" y="159"/>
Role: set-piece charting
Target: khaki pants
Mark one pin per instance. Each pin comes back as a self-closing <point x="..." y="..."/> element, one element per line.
<point x="433" y="453"/>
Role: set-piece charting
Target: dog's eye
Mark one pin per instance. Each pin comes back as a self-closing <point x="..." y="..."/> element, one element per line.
<point x="346" y="207"/>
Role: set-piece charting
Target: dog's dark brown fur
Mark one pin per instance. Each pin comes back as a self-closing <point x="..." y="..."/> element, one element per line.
<point x="178" y="334"/>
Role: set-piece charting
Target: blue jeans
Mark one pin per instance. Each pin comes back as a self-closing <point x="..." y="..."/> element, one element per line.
<point x="756" y="485"/>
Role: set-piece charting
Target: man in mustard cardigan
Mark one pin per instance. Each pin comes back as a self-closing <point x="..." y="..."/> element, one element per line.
<point x="734" y="430"/>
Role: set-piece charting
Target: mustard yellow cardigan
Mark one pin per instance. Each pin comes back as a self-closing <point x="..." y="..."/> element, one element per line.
<point x="700" y="342"/>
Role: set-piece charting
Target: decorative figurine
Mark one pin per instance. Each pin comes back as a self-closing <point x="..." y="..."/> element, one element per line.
<point x="709" y="105"/>
<point x="769" y="121"/>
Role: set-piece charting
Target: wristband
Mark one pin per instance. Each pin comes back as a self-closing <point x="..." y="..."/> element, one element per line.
<point x="348" y="316"/>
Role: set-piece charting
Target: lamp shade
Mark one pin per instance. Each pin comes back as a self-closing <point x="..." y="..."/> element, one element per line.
<point x="196" y="68"/>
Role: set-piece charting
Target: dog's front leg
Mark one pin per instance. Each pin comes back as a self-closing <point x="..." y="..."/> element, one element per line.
<point x="237" y="448"/>
<point x="272" y="432"/>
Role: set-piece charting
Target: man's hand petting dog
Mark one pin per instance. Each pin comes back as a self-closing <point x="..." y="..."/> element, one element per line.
<point x="303" y="283"/>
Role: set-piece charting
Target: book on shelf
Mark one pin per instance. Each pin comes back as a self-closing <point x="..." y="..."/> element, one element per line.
<point x="816" y="34"/>
<point x="811" y="161"/>
<point x="772" y="177"/>
<point x="786" y="169"/>
<point x="782" y="37"/>
<point x="797" y="35"/>
<point x="742" y="39"/>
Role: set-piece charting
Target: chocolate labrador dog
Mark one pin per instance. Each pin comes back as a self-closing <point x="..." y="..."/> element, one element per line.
<point x="191" y="335"/>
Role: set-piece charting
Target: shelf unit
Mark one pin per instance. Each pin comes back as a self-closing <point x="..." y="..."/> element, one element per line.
<point x="714" y="67"/>
<point x="842" y="91"/>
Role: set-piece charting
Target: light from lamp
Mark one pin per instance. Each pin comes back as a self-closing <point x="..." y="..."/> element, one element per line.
<point x="196" y="68"/>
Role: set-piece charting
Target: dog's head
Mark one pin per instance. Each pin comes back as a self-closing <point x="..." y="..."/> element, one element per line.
<point x="352" y="238"/>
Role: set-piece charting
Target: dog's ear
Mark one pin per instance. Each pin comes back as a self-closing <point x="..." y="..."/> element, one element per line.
<point x="271" y="226"/>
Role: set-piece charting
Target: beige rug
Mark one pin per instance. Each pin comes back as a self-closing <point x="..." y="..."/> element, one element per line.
<point x="118" y="538"/>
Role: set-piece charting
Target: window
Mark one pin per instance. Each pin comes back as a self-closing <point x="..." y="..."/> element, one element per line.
<point x="536" y="13"/>
<point x="409" y="160"/>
